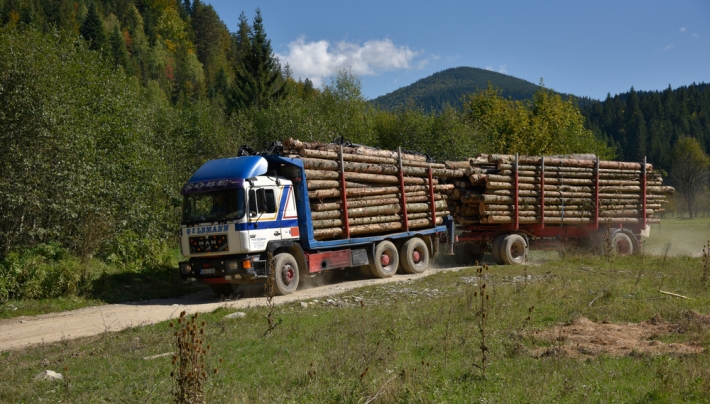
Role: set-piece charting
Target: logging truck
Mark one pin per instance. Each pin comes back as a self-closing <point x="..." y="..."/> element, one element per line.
<point x="253" y="218"/>
<point x="312" y="208"/>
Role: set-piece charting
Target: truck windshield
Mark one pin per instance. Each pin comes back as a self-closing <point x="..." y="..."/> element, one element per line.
<point x="213" y="206"/>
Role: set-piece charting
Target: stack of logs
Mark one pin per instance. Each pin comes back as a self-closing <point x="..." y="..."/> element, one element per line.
<point x="376" y="181"/>
<point x="486" y="196"/>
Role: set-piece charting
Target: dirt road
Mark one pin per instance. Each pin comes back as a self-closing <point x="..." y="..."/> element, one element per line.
<point x="20" y="332"/>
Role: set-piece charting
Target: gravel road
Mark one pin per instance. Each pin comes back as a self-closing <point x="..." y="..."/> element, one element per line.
<point x="20" y="332"/>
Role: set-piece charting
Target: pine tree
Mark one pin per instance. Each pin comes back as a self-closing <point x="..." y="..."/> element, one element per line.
<point x="119" y="50"/>
<point x="258" y="74"/>
<point x="92" y="29"/>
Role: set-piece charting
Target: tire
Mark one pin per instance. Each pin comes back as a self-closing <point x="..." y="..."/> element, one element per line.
<point x="286" y="277"/>
<point x="495" y="251"/>
<point x="385" y="261"/>
<point x="223" y="289"/>
<point x="513" y="249"/>
<point x="414" y="256"/>
<point x="465" y="254"/>
<point x="622" y="244"/>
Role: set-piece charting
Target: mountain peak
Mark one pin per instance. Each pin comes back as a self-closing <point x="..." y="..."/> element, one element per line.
<point x="447" y="87"/>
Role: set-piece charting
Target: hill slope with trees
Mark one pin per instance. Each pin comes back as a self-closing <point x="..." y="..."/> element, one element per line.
<point x="450" y="86"/>
<point x="650" y="123"/>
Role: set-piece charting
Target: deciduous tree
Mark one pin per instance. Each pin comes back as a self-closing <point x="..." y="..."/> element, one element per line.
<point x="690" y="171"/>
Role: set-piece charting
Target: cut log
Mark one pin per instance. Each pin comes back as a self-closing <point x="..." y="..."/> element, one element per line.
<point x="332" y="232"/>
<point x="378" y="210"/>
<point x="326" y="223"/>
<point x="570" y="220"/>
<point x="364" y="178"/>
<point x="535" y="160"/>
<point x="329" y="155"/>
<point x="330" y="165"/>
<point x="355" y="192"/>
<point x="320" y="207"/>
<point x="487" y="207"/>
<point x="362" y="150"/>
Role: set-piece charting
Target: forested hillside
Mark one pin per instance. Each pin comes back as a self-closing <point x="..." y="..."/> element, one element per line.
<point x="450" y="86"/>
<point x="650" y="123"/>
<point x="182" y="47"/>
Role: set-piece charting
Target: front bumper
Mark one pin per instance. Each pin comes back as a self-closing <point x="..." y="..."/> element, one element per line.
<point x="226" y="267"/>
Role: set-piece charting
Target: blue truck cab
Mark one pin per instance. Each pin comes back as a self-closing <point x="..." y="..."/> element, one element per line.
<point x="246" y="218"/>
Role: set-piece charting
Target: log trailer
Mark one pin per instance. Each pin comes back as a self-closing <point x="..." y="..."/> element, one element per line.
<point x="516" y="203"/>
<point x="246" y="218"/>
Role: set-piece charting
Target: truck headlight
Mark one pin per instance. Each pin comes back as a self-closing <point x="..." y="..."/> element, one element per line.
<point x="232" y="265"/>
<point x="185" y="268"/>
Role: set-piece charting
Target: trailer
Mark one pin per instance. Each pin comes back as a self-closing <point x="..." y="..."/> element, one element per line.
<point x="590" y="227"/>
<point x="247" y="218"/>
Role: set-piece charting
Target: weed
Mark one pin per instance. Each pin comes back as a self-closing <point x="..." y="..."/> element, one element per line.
<point x="607" y="245"/>
<point x="66" y="380"/>
<point x="190" y="368"/>
<point x="706" y="265"/>
<point x="482" y="319"/>
<point x="270" y="292"/>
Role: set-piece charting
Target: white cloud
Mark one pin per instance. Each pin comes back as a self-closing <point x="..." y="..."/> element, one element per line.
<point x="682" y="29"/>
<point x="319" y="59"/>
<point x="668" y="47"/>
<point x="502" y="69"/>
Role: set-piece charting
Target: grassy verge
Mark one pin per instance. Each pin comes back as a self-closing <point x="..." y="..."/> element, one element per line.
<point x="99" y="283"/>
<point x="413" y="342"/>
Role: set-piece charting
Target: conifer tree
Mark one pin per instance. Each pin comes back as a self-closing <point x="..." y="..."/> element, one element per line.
<point x="92" y="29"/>
<point x="119" y="50"/>
<point x="258" y="74"/>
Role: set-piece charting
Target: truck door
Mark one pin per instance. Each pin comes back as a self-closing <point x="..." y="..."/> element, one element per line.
<point x="264" y="222"/>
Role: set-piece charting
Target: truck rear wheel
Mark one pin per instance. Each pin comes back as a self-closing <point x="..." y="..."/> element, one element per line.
<point x="414" y="256"/>
<point x="385" y="260"/>
<point x="495" y="251"/>
<point x="513" y="249"/>
<point x="622" y="244"/>
<point x="286" y="277"/>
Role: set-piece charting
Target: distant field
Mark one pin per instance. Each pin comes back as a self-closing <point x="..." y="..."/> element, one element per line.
<point x="686" y="236"/>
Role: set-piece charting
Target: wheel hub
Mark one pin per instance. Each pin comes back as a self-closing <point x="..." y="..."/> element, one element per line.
<point x="385" y="260"/>
<point x="416" y="256"/>
<point x="287" y="274"/>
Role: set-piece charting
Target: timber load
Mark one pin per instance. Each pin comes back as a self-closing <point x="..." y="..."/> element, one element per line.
<point x="363" y="191"/>
<point x="557" y="190"/>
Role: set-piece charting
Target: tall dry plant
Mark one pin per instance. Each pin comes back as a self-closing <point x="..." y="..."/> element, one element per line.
<point x="706" y="265"/>
<point x="270" y="292"/>
<point x="482" y="314"/>
<point x="190" y="367"/>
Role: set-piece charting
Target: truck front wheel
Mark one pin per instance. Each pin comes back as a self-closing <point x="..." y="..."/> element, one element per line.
<point x="286" y="277"/>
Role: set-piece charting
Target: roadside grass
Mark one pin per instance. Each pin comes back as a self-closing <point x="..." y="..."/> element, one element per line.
<point x="102" y="284"/>
<point x="414" y="341"/>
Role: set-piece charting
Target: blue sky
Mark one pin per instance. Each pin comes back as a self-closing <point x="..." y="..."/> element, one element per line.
<point x="583" y="48"/>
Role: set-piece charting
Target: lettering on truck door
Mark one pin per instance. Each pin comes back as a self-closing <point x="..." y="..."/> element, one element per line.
<point x="264" y="221"/>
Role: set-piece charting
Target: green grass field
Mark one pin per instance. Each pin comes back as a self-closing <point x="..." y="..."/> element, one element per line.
<point x="415" y="342"/>
<point x="686" y="236"/>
